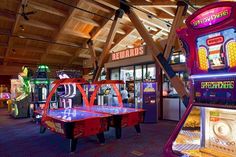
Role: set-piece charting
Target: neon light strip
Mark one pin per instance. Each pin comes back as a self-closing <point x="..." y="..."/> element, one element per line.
<point x="212" y="75"/>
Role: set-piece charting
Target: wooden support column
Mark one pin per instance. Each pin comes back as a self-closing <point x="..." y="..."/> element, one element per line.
<point x="105" y="55"/>
<point x="178" y="20"/>
<point x="93" y="54"/>
<point x="156" y="53"/>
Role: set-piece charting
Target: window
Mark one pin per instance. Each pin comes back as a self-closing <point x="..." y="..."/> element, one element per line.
<point x="177" y="57"/>
<point x="138" y="72"/>
<point x="151" y="71"/>
<point x="127" y="73"/>
<point x="115" y="74"/>
<point x="169" y="90"/>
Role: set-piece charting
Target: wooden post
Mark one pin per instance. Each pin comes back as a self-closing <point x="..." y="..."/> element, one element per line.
<point x="93" y="57"/>
<point x="93" y="53"/>
<point x="156" y="53"/>
<point x="178" y="20"/>
<point x="105" y="55"/>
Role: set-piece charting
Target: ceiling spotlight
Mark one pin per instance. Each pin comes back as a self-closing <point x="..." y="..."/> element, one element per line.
<point x="22" y="27"/>
<point x="149" y="16"/>
<point x="13" y="51"/>
<point x="168" y="25"/>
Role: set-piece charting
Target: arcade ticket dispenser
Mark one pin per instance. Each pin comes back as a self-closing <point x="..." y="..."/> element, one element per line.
<point x="208" y="127"/>
<point x="149" y="101"/>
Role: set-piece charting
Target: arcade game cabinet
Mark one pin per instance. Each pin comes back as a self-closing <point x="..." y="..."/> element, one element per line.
<point x="208" y="127"/>
<point x="20" y="105"/>
<point x="4" y="95"/>
<point x="41" y="86"/>
<point x="148" y="92"/>
<point x="68" y="94"/>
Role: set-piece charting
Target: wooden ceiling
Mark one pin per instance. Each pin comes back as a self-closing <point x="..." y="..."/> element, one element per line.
<point x="57" y="33"/>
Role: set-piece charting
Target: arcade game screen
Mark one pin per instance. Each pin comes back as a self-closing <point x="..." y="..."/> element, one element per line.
<point x="216" y="50"/>
<point x="208" y="132"/>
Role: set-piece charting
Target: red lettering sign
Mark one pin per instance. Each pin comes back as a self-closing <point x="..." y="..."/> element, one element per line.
<point x="138" y="51"/>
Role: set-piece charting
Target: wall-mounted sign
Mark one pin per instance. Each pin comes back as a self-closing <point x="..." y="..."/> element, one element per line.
<point x="217" y="85"/>
<point x="211" y="17"/>
<point x="128" y="53"/>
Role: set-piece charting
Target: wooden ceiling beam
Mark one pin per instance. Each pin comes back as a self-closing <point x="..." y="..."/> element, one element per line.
<point x="14" y="27"/>
<point x="158" y="3"/>
<point x="114" y="4"/>
<point x="27" y="36"/>
<point x="102" y="40"/>
<point x="178" y="20"/>
<point x="110" y="37"/>
<point x="169" y="11"/>
<point x="4" y="45"/>
<point x="152" y="21"/>
<point x="29" y="48"/>
<point x="122" y="38"/>
<point x="86" y="20"/>
<point x="98" y="30"/>
<point x="7" y="15"/>
<point x="39" y="24"/>
<point x="63" y="24"/>
<point x="119" y="30"/>
<point x="98" y="6"/>
<point x="74" y="57"/>
<point x="47" y="8"/>
<point x="21" y="59"/>
<point x="5" y="32"/>
<point x="60" y="52"/>
<point x="76" y="33"/>
<point x="158" y="56"/>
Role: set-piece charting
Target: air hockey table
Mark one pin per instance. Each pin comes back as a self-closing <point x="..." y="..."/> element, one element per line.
<point x="73" y="123"/>
<point x="121" y="116"/>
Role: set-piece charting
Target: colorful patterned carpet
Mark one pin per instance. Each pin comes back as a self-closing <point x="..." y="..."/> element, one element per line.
<point x="21" y="138"/>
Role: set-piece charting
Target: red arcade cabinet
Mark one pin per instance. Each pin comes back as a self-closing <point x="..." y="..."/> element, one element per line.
<point x="208" y="127"/>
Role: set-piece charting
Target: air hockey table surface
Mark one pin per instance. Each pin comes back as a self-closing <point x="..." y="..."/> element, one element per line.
<point x="121" y="116"/>
<point x="113" y="110"/>
<point x="73" y="114"/>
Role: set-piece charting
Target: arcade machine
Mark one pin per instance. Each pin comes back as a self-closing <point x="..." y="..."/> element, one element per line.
<point x="148" y="93"/>
<point x="208" y="126"/>
<point x="4" y="95"/>
<point x="121" y="116"/>
<point x="73" y="123"/>
<point x="41" y="85"/>
<point x="20" y="105"/>
<point x="69" y="96"/>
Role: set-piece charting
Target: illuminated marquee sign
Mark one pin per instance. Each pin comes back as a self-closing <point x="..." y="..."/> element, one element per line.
<point x="215" y="40"/>
<point x="138" y="51"/>
<point x="211" y="17"/>
<point x="217" y="85"/>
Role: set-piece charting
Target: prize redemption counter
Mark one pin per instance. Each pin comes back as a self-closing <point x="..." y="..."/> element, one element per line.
<point x="73" y="123"/>
<point x="208" y="126"/>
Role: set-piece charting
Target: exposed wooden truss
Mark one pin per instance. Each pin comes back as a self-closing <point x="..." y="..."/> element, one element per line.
<point x="58" y="32"/>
